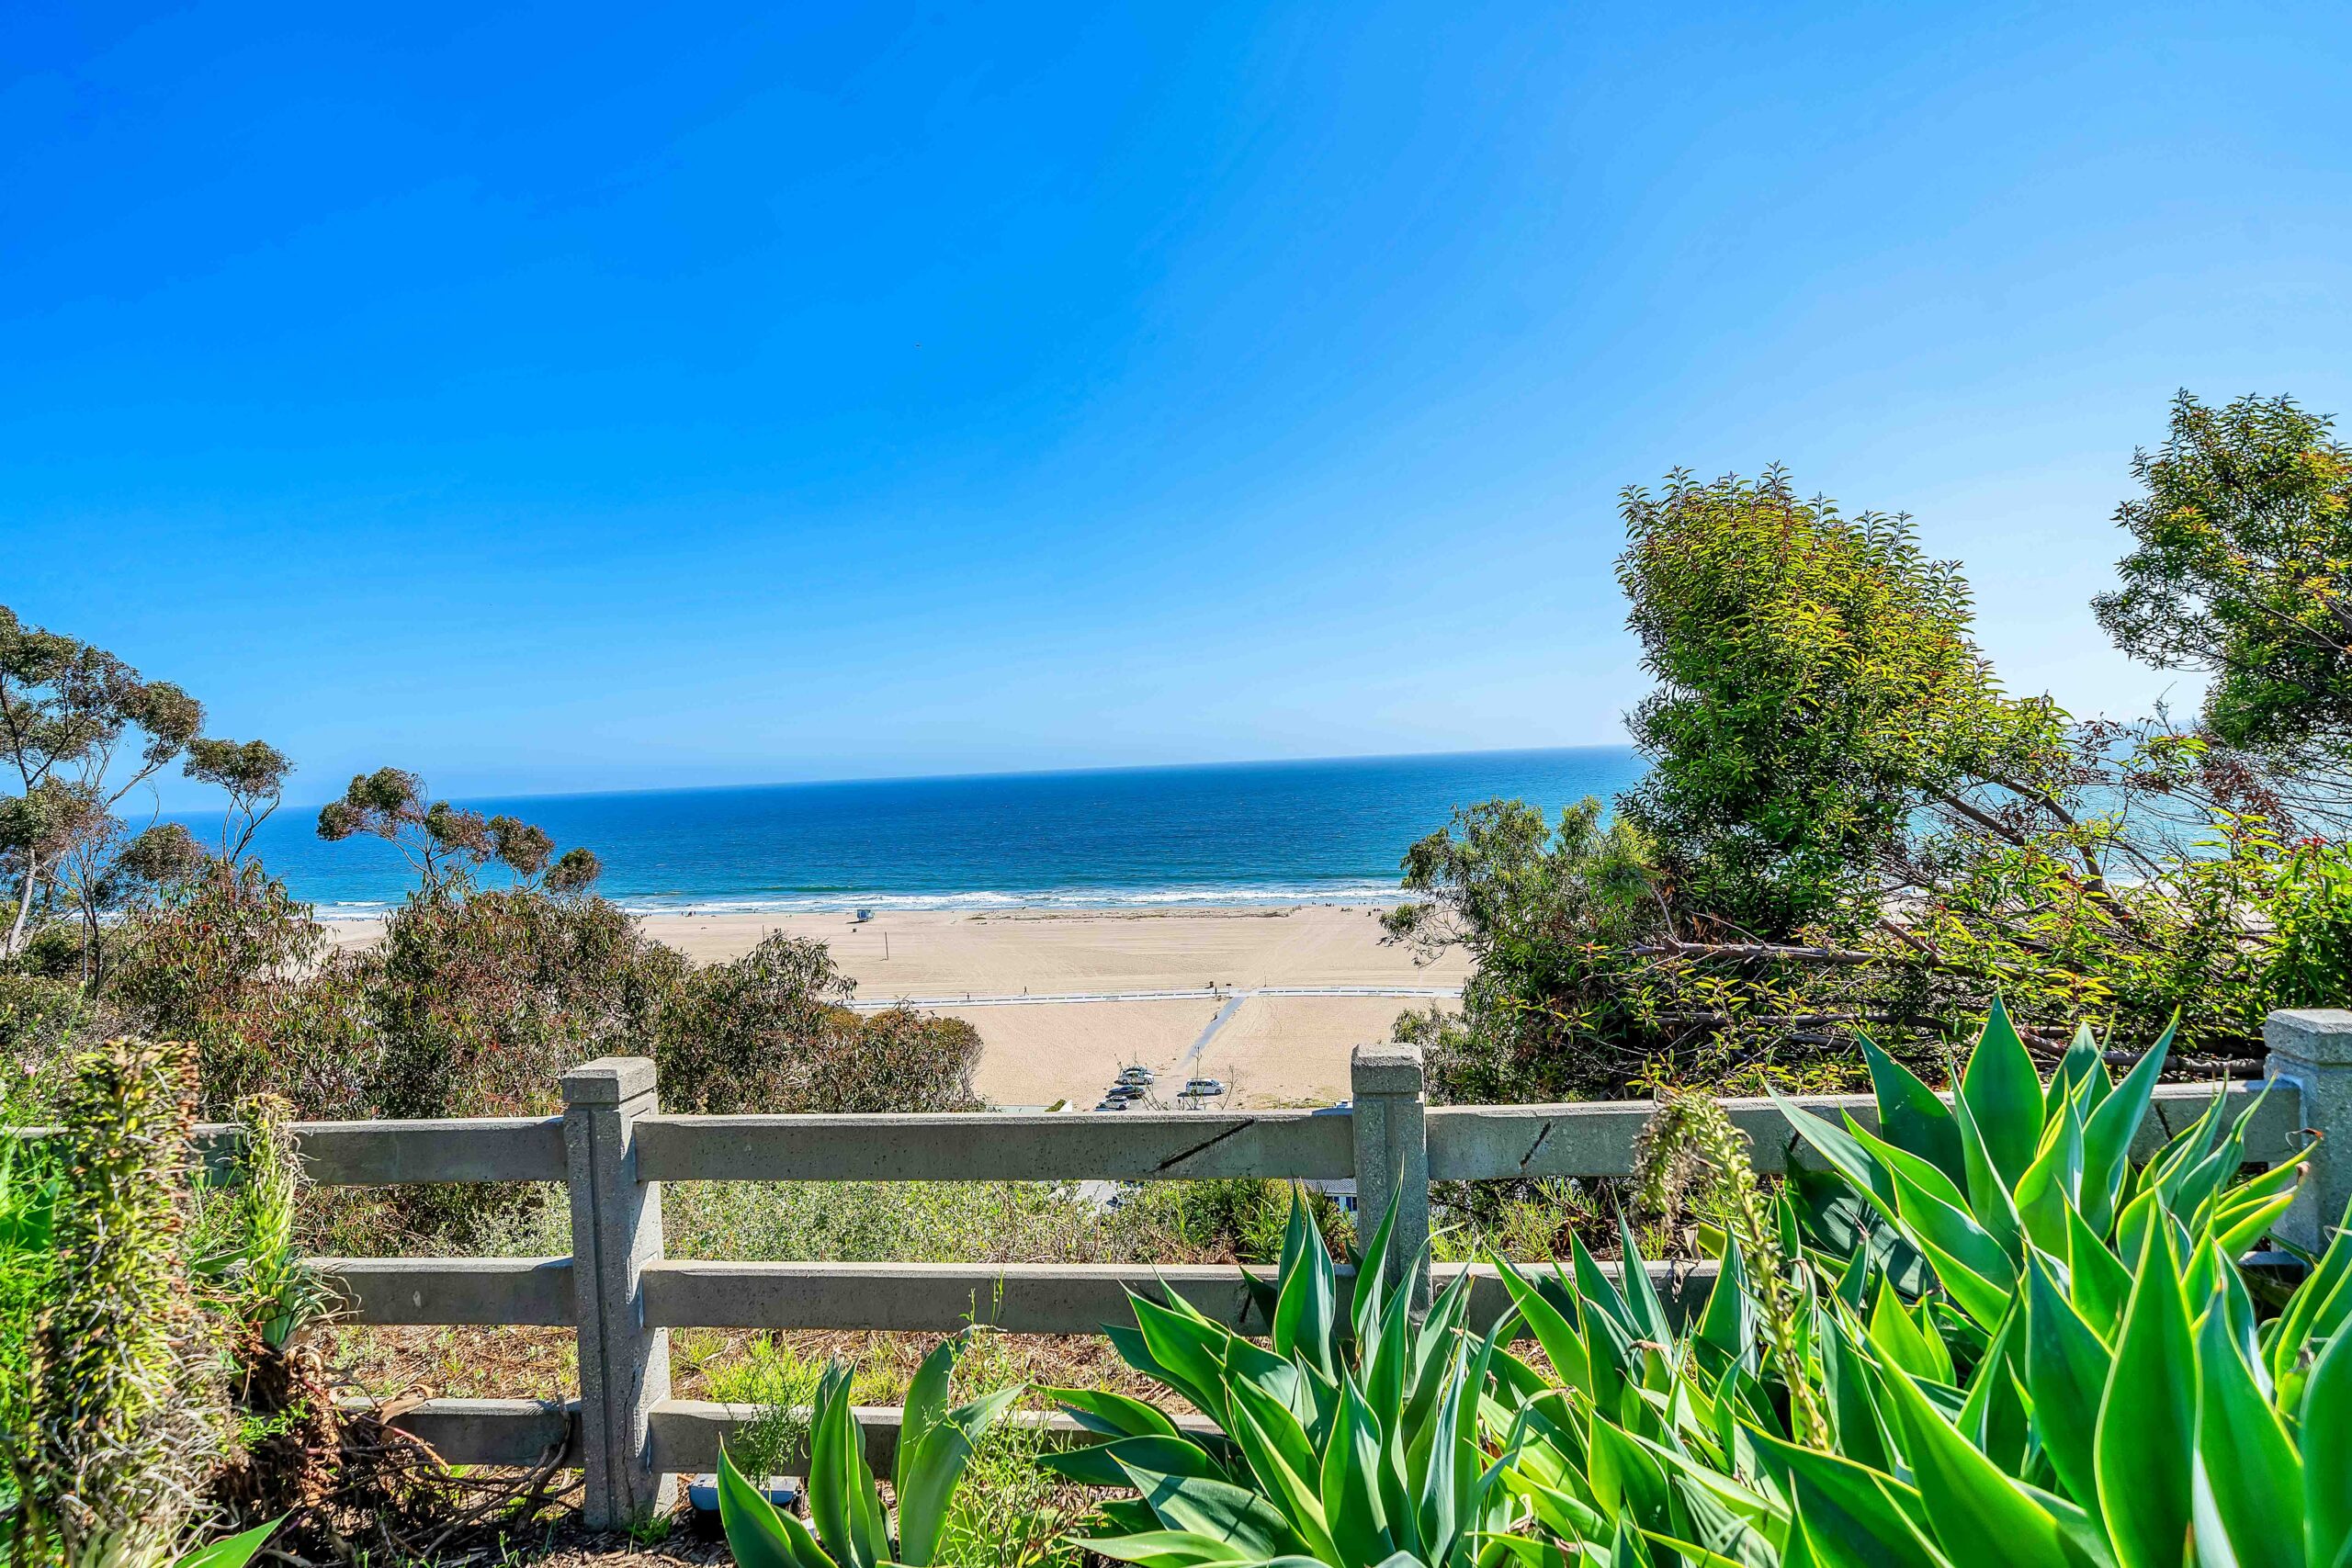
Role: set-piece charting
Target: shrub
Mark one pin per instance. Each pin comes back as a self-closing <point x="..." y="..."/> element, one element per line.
<point x="233" y="963"/>
<point x="2314" y="912"/>
<point x="771" y="1030"/>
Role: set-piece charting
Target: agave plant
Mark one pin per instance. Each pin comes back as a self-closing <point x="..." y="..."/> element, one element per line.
<point x="852" y="1531"/>
<point x="1349" y="1438"/>
<point x="2038" y="1353"/>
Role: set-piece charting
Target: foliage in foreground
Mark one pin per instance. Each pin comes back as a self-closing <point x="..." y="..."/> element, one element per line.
<point x="852" y="1531"/>
<point x="2028" y="1350"/>
<point x="113" y="1422"/>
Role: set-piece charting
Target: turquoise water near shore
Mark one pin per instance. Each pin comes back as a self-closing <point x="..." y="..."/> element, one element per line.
<point x="1229" y="833"/>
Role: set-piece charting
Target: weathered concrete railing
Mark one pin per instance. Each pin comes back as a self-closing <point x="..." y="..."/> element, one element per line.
<point x="614" y="1149"/>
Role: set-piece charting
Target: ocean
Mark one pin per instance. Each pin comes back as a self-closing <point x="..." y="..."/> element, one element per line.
<point x="1226" y="833"/>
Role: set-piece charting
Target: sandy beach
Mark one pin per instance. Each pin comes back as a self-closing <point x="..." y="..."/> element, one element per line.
<point x="1098" y="965"/>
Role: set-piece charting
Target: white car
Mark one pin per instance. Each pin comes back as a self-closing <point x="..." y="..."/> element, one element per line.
<point x="1113" y="1105"/>
<point x="1204" y="1089"/>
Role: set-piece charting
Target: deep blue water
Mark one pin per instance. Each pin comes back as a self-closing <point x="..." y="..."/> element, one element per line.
<point x="1234" y="833"/>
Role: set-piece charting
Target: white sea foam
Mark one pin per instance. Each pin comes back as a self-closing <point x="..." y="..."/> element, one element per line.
<point x="1218" y="897"/>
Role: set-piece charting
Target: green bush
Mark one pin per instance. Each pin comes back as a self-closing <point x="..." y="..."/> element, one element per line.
<point x="2313" y="911"/>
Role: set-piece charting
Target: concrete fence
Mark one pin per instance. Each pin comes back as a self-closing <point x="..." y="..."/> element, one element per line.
<point x="612" y="1148"/>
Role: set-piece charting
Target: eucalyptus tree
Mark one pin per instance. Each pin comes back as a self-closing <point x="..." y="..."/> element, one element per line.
<point x="79" y="732"/>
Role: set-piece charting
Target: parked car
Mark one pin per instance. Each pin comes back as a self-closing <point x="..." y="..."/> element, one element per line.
<point x="1137" y="1074"/>
<point x="1113" y="1105"/>
<point x="1203" y="1088"/>
<point x="1124" y="1091"/>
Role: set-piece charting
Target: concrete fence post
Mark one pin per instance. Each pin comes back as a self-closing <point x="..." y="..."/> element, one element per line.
<point x="616" y="1231"/>
<point x="2313" y="1049"/>
<point x="1393" y="1157"/>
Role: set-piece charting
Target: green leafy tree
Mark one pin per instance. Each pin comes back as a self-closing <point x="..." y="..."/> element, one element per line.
<point x="79" y="731"/>
<point x="444" y="842"/>
<point x="2242" y="568"/>
<point x="1817" y="681"/>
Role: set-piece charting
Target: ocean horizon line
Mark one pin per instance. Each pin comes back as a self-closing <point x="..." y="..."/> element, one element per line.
<point x="1108" y="770"/>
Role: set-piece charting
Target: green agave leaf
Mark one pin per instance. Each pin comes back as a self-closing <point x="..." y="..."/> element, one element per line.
<point x="925" y="1402"/>
<point x="1218" y="1510"/>
<point x="2054" y="1181"/>
<point x="1278" y="1452"/>
<point x="1900" y="1342"/>
<point x="1561" y="1341"/>
<point x="2147" y="1423"/>
<point x="2309" y="1311"/>
<point x="1353" y="1500"/>
<point x="2250" y="1478"/>
<point x="1371" y="1271"/>
<point x="1751" y="1550"/>
<point x="1097" y="1464"/>
<point x="1862" y="1433"/>
<point x="1562" y="1512"/>
<point x="2081" y="1078"/>
<point x="1248" y="1362"/>
<point x="1649" y="1320"/>
<point x="2241" y="1215"/>
<point x="1843" y="1153"/>
<point x="1978" y="1514"/>
<point x="1626" y="1478"/>
<point x="842" y="1501"/>
<point x="938" y="1464"/>
<point x="1596" y="1288"/>
<point x="1304" y="1313"/>
<point x="1701" y="1516"/>
<point x="1912" y="1116"/>
<point x="1989" y="1205"/>
<point x="1187" y="1355"/>
<point x="232" y="1551"/>
<point x="1849" y="1517"/>
<point x="1727" y="1327"/>
<point x="2097" y="1281"/>
<point x="2107" y="1137"/>
<point x="2066" y="1370"/>
<point x="2003" y="1093"/>
<point x="1113" y="1415"/>
<point x="758" y="1533"/>
<point x="1167" y="1549"/>
<point x="1969" y="1264"/>
<point x="2328" y="1454"/>
<point x="1995" y="1417"/>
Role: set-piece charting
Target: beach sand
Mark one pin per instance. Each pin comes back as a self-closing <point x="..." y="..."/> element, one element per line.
<point x="1272" y="1050"/>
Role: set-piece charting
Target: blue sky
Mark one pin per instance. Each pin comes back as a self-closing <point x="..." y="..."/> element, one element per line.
<point x="597" y="396"/>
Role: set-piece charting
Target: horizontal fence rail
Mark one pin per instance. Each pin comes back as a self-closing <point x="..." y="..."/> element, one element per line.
<point x="1134" y="1146"/>
<point x="613" y="1150"/>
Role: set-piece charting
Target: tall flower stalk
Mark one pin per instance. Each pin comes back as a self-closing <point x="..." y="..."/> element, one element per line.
<point x="1691" y="1155"/>
<point x="123" y="1441"/>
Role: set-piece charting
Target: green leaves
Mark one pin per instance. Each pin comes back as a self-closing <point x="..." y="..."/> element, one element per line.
<point x="759" y="1533"/>
<point x="230" y="1552"/>
<point x="2147" y="1423"/>
<point x="2327" y="1455"/>
<point x="2003" y="1093"/>
<point x="936" y="1444"/>
<point x="2038" y="1401"/>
